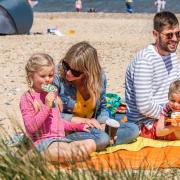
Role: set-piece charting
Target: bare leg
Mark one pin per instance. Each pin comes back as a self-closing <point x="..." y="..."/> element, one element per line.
<point x="69" y="152"/>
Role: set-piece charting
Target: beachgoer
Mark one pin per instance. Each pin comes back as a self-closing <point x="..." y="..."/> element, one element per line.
<point x="160" y="5"/>
<point x="82" y="88"/>
<point x="163" y="127"/>
<point x="78" y="5"/>
<point x="129" y="8"/>
<point x="32" y="3"/>
<point x="92" y="10"/>
<point x="42" y="120"/>
<point x="163" y="4"/>
<point x="149" y="75"/>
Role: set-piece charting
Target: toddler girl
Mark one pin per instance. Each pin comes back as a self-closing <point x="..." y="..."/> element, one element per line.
<point x="167" y="130"/>
<point x="163" y="128"/>
<point x="41" y="119"/>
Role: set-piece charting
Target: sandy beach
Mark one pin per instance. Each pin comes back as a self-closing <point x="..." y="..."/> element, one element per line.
<point x="117" y="38"/>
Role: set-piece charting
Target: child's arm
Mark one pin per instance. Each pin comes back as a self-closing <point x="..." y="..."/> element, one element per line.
<point x="32" y="120"/>
<point x="163" y="130"/>
<point x="70" y="126"/>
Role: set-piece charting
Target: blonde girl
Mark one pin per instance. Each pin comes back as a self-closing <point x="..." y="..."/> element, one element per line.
<point x="42" y="120"/>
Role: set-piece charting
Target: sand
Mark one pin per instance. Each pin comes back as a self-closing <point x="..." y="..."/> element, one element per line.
<point x="117" y="38"/>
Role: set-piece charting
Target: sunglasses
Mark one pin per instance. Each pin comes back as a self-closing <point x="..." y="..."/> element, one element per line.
<point x="66" y="68"/>
<point x="171" y="34"/>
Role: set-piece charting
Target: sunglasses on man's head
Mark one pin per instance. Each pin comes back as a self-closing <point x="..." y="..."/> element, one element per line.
<point x="74" y="72"/>
<point x="171" y="34"/>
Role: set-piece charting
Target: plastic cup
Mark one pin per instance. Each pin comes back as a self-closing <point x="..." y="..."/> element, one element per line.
<point x="112" y="127"/>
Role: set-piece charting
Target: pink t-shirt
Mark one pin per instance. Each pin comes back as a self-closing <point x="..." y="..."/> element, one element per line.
<point x="78" y="4"/>
<point x="46" y="122"/>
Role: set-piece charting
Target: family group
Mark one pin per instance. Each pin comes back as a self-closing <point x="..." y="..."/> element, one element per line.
<point x="69" y="122"/>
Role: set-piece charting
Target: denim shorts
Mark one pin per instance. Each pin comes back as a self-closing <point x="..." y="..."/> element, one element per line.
<point x="100" y="137"/>
<point x="43" y="145"/>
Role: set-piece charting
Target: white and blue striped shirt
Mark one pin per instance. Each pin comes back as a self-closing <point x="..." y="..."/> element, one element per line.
<point x="147" y="82"/>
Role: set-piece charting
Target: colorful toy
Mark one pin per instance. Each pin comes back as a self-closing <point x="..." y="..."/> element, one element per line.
<point x="121" y="109"/>
<point x="124" y="119"/>
<point x="50" y="88"/>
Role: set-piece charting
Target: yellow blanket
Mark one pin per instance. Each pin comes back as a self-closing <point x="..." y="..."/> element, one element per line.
<point x="139" y="144"/>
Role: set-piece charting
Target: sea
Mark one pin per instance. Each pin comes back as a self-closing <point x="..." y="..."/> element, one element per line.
<point x="106" y="6"/>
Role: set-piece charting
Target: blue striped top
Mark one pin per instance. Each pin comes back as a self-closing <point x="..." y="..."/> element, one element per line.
<point x="147" y="82"/>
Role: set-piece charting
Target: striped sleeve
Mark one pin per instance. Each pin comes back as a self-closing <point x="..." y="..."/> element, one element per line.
<point x="143" y="90"/>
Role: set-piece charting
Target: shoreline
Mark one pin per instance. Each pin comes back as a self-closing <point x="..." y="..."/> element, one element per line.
<point x="97" y="15"/>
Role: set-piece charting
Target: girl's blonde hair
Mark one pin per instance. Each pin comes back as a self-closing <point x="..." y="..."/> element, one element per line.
<point x="83" y="57"/>
<point x="174" y="88"/>
<point x="34" y="64"/>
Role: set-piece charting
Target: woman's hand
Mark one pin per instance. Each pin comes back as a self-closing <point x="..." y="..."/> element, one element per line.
<point x="49" y="100"/>
<point x="60" y="103"/>
<point x="93" y="123"/>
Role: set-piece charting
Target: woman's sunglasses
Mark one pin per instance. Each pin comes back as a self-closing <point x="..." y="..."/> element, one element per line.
<point x="74" y="72"/>
<point x="171" y="34"/>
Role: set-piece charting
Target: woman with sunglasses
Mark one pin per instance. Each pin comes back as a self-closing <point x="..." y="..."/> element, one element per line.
<point x="82" y="88"/>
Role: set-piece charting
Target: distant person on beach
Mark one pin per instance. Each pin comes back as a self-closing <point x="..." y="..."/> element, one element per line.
<point x="78" y="5"/>
<point x="150" y="73"/>
<point x="92" y="10"/>
<point x="32" y="3"/>
<point x="81" y="84"/>
<point x="129" y="7"/>
<point x="40" y="109"/>
<point x="160" y="5"/>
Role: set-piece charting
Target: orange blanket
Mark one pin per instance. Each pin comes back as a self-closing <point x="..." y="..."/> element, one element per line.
<point x="146" y="158"/>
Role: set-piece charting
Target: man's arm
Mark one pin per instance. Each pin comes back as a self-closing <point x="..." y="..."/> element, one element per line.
<point x="145" y="101"/>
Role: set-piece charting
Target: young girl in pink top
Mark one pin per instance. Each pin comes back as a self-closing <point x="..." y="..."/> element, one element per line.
<point x="78" y="5"/>
<point x="42" y="120"/>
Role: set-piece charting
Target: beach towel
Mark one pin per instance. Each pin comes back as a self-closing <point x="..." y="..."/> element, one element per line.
<point x="142" y="154"/>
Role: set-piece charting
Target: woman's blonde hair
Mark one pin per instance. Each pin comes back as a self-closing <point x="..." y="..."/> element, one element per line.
<point x="83" y="57"/>
<point x="34" y="64"/>
<point x="174" y="88"/>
